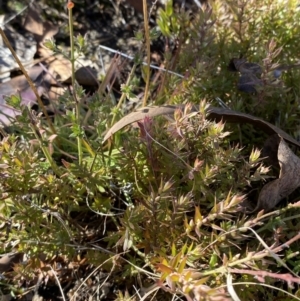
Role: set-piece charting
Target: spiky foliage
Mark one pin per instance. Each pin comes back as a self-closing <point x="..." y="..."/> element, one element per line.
<point x="161" y="207"/>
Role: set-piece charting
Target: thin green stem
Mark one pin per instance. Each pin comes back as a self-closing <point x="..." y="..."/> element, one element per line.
<point x="147" y="41"/>
<point x="76" y="101"/>
<point x="43" y="146"/>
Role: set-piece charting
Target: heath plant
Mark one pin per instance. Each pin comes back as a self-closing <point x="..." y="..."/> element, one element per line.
<point x="160" y="210"/>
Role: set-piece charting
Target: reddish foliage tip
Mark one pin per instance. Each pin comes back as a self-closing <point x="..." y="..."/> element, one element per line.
<point x="70" y="5"/>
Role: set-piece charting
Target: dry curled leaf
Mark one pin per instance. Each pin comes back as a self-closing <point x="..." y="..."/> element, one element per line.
<point x="216" y="114"/>
<point x="289" y="179"/>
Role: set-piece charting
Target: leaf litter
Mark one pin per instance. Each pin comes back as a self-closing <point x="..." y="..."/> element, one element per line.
<point x="47" y="73"/>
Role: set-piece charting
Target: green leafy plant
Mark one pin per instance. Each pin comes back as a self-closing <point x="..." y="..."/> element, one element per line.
<point x="161" y="206"/>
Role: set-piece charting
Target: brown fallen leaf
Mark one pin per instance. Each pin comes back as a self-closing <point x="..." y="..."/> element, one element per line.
<point x="41" y="30"/>
<point x="58" y="66"/>
<point x="289" y="179"/>
<point x="214" y="113"/>
<point x="19" y="86"/>
<point x="60" y="70"/>
<point x="54" y="94"/>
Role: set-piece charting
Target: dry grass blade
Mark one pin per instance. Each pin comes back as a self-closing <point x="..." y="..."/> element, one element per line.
<point x="271" y="252"/>
<point x="230" y="288"/>
<point x="271" y="287"/>
<point x="139" y="115"/>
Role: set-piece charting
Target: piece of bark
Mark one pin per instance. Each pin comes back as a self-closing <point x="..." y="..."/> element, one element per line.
<point x="288" y="181"/>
